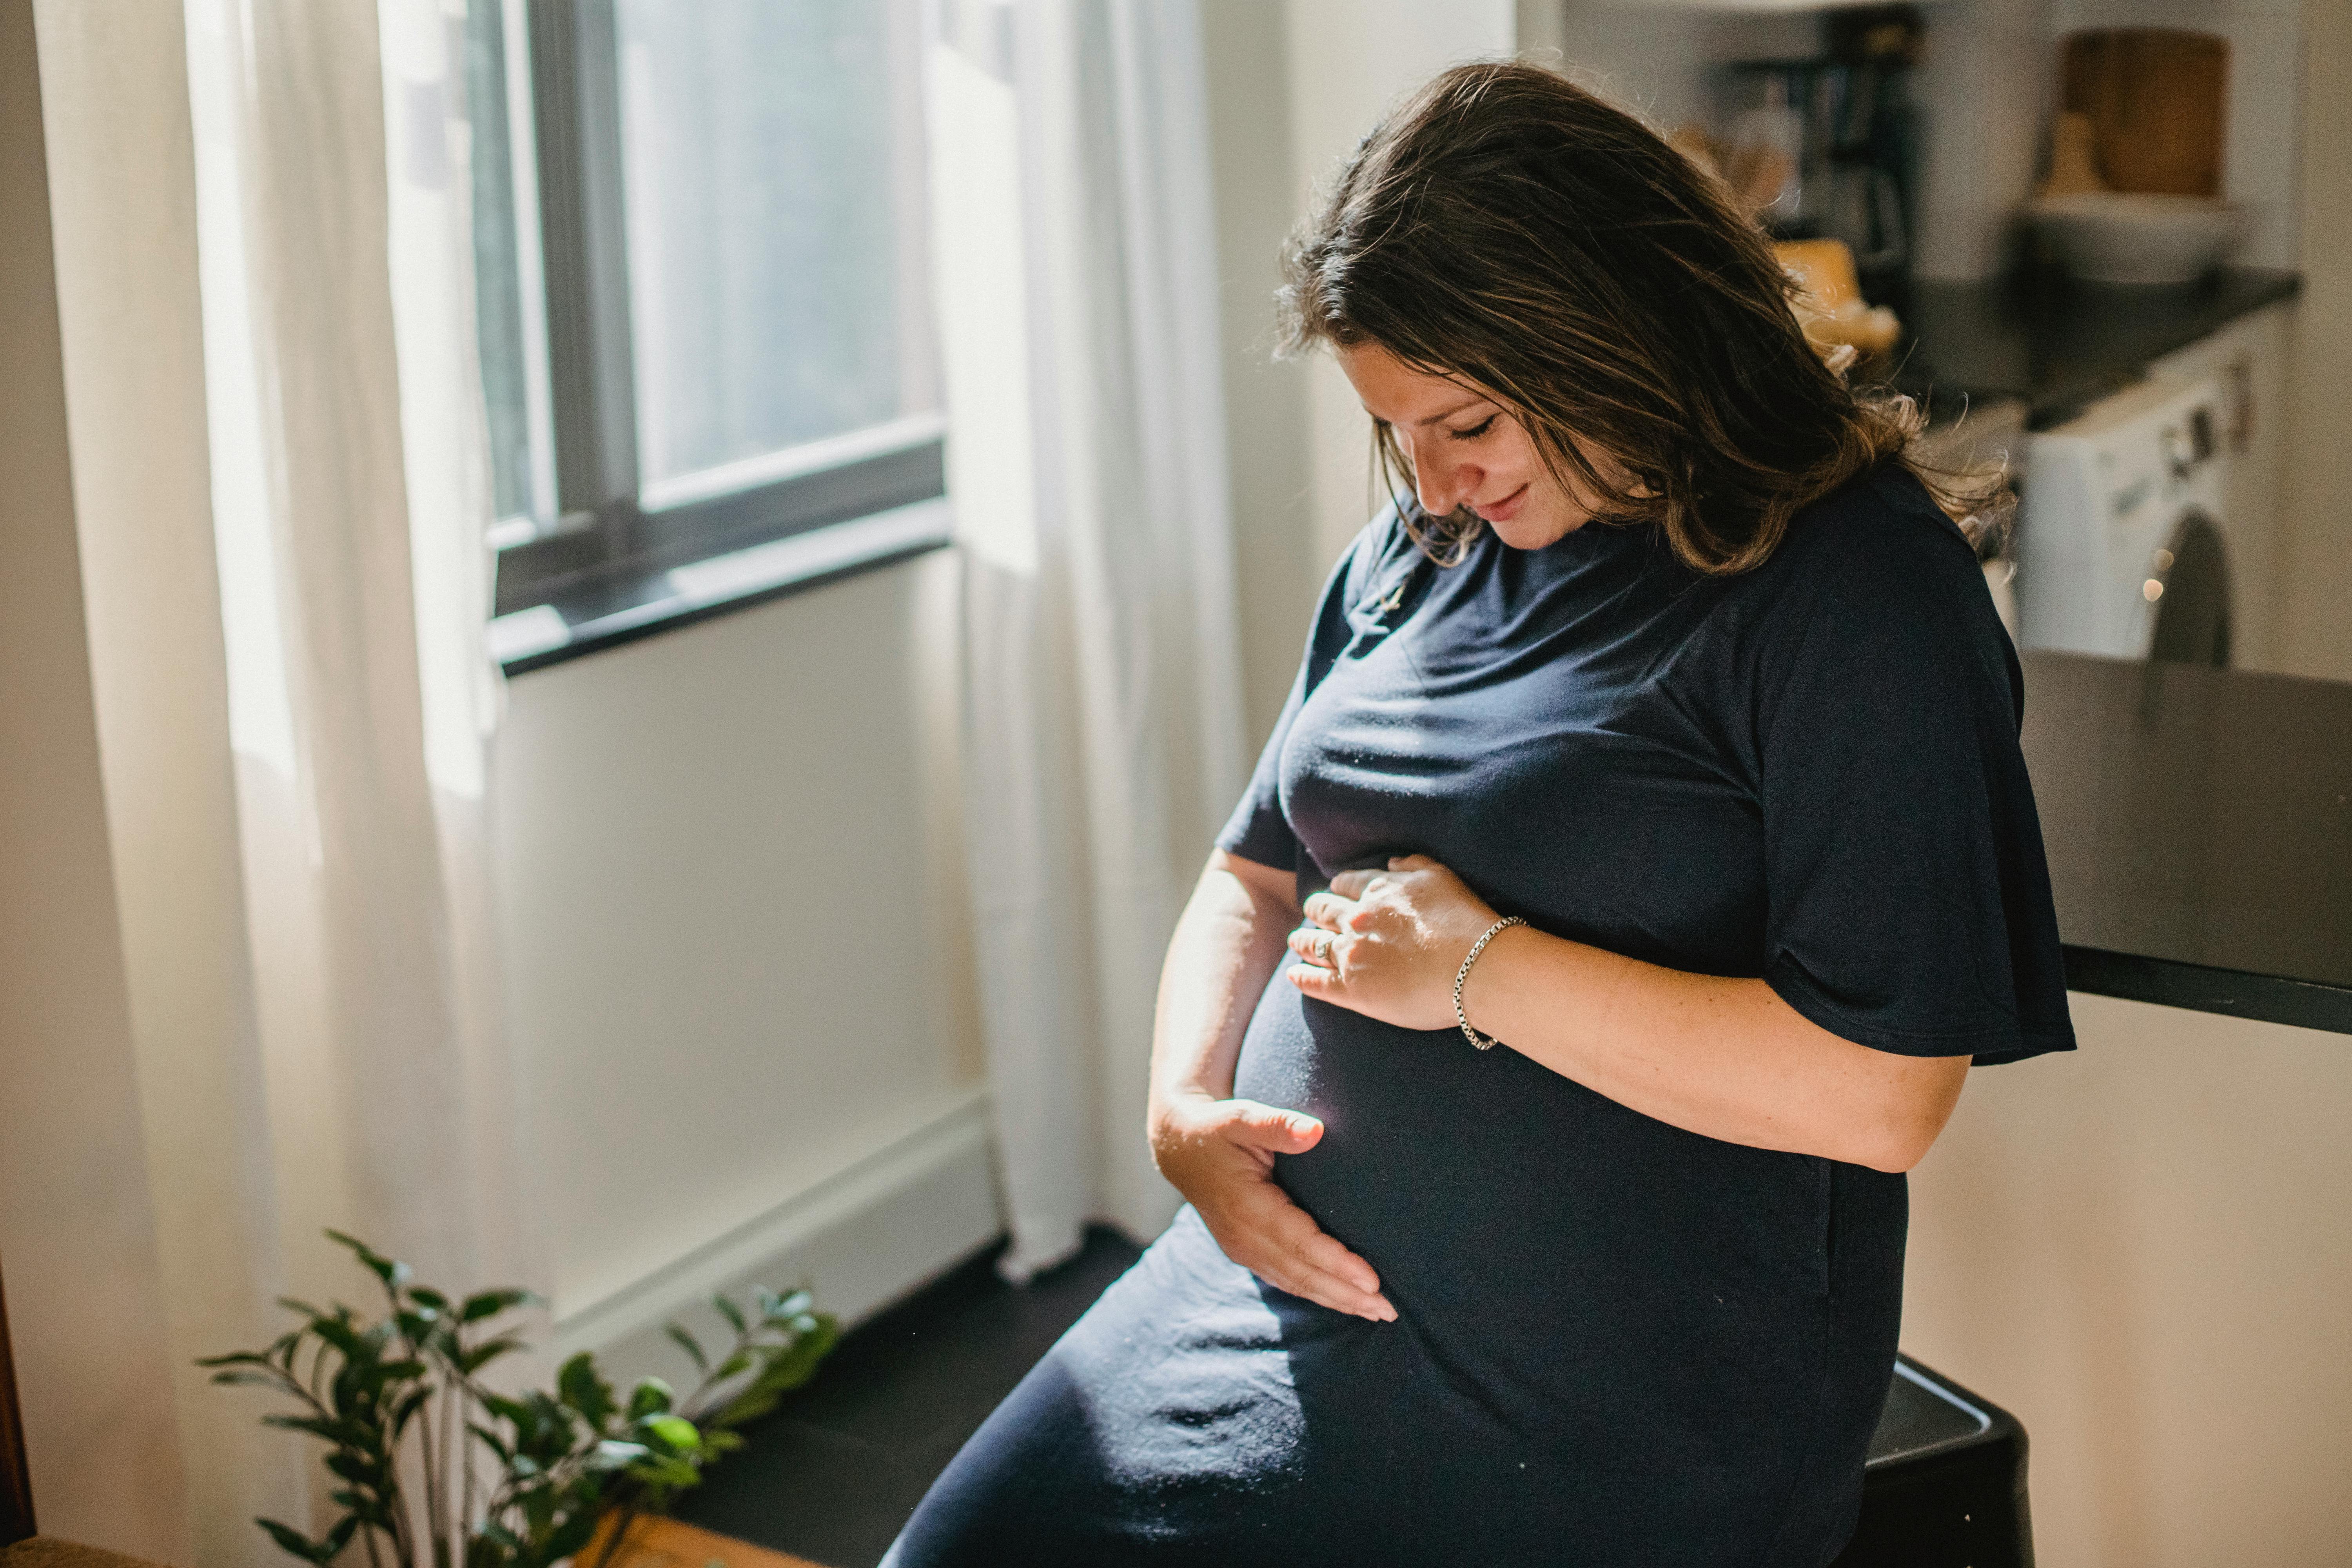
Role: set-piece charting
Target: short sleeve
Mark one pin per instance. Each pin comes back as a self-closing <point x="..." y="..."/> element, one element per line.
<point x="1908" y="904"/>
<point x="1257" y="830"/>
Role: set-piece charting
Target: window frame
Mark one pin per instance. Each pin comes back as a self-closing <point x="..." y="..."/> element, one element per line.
<point x="599" y="551"/>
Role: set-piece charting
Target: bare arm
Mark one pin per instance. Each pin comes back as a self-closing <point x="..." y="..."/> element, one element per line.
<point x="1216" y="1150"/>
<point x="1226" y="946"/>
<point x="1728" y="1059"/>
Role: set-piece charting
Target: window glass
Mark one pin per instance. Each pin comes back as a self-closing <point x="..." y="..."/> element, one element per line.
<point x="770" y="164"/>
<point x="497" y="290"/>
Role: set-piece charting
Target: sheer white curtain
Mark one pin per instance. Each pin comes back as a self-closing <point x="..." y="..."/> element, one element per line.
<point x="275" y="413"/>
<point x="1077" y="290"/>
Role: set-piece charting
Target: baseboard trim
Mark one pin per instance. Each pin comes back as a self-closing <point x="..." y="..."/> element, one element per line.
<point x="861" y="1237"/>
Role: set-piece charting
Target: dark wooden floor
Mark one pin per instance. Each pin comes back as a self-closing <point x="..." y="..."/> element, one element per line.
<point x="834" y="1472"/>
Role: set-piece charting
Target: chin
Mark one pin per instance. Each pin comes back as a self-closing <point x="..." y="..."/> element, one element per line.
<point x="1527" y="531"/>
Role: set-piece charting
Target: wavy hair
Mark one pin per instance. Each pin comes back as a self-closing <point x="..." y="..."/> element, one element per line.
<point x="1508" y="229"/>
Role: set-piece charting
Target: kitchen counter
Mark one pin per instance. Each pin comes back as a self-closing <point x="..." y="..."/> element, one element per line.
<point x="2198" y="825"/>
<point x="2057" y="345"/>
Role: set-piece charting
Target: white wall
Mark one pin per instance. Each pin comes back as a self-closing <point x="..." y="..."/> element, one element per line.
<point x="1348" y="61"/>
<point x="2144" y="1250"/>
<point x="737" y="960"/>
<point x="2315" y="622"/>
<point x="1656" y="61"/>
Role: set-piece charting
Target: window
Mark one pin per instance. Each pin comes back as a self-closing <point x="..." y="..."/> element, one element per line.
<point x="703" y="305"/>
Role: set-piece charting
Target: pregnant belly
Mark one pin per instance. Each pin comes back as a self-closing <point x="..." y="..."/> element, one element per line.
<point x="1544" y="1241"/>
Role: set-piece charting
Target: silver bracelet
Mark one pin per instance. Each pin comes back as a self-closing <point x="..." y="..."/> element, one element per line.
<point x="1484" y="1042"/>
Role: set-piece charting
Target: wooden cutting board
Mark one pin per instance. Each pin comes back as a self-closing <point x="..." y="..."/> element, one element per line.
<point x="657" y="1542"/>
<point x="2158" y="100"/>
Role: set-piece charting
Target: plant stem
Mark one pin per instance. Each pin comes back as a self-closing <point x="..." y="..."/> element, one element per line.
<point x="455" y="1447"/>
<point x="466" y="1514"/>
<point x="424" y="1419"/>
<point x="395" y="1509"/>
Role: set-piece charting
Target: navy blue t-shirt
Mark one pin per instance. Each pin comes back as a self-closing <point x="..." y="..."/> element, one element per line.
<point x="1618" y="1342"/>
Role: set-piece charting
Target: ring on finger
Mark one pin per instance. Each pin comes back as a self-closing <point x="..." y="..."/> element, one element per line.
<point x="1325" y="943"/>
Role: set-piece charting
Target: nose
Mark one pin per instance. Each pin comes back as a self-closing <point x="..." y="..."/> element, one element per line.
<point x="1442" y="481"/>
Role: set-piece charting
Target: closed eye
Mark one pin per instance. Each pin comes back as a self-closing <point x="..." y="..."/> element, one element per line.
<point x="1475" y="431"/>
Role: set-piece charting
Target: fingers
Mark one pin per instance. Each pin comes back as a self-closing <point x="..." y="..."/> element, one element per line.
<point x="1351" y="884"/>
<point x="1256" y="1126"/>
<point x="1280" y="1243"/>
<point x="1321" y="984"/>
<point x="1412" y="863"/>
<point x="1313" y="944"/>
<point x="1325" y="1290"/>
<point x="1328" y="910"/>
<point x="1254" y="1220"/>
<point x="1311" y="1247"/>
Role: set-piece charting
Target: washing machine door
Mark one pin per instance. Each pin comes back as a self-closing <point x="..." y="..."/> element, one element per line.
<point x="2192" y="594"/>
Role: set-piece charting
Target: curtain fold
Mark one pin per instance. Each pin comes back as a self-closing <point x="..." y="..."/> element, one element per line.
<point x="1074" y="239"/>
<point x="288" y="593"/>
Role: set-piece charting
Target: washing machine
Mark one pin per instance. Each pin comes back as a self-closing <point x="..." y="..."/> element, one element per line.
<point x="2123" y="544"/>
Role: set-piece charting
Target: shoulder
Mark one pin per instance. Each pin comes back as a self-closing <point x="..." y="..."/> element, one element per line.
<point x="1378" y="546"/>
<point x="1375" y="562"/>
<point x="1878" y="538"/>
<point x="1876" y="581"/>
<point x="1382" y="549"/>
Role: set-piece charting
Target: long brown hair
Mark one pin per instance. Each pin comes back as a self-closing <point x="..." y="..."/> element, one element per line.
<point x="1508" y="229"/>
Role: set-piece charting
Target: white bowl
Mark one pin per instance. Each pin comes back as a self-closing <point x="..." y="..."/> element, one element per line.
<point x="2115" y="237"/>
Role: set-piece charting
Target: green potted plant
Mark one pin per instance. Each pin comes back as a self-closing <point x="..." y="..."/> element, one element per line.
<point x="433" y="1468"/>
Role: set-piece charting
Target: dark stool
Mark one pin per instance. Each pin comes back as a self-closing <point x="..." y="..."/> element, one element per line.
<point x="1944" y="1483"/>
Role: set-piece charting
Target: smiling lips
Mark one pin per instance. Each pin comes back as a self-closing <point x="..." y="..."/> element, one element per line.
<point x="1505" y="510"/>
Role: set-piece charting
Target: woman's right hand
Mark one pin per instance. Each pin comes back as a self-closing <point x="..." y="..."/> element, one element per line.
<point x="1220" y="1154"/>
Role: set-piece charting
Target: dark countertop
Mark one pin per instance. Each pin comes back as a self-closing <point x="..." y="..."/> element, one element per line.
<point x="2198" y="825"/>
<point x="2058" y="345"/>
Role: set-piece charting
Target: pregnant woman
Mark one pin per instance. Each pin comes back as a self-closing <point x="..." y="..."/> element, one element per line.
<point x="1642" y="860"/>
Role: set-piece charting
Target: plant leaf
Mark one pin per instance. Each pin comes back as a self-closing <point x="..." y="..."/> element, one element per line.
<point x="659" y="1471"/>
<point x="406" y="1409"/>
<point x="691" y="1346"/>
<point x="270" y="1379"/>
<point x="393" y="1273"/>
<point x="340" y="1433"/>
<point x="732" y="1313"/>
<point x="293" y="1542"/>
<point x="488" y="1351"/>
<point x="490" y="1440"/>
<point x="677" y="1432"/>
<point x="579" y="1384"/>
<point x="651" y="1397"/>
<point x="490" y="1303"/>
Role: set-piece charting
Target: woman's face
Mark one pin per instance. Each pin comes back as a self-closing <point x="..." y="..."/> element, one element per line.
<point x="1466" y="450"/>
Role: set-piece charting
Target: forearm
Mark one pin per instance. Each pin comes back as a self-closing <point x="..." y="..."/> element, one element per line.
<point x="1724" y="1057"/>
<point x="1225" y="949"/>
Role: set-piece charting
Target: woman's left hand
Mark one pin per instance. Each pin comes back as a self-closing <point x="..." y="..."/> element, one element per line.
<point x="1388" y="944"/>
